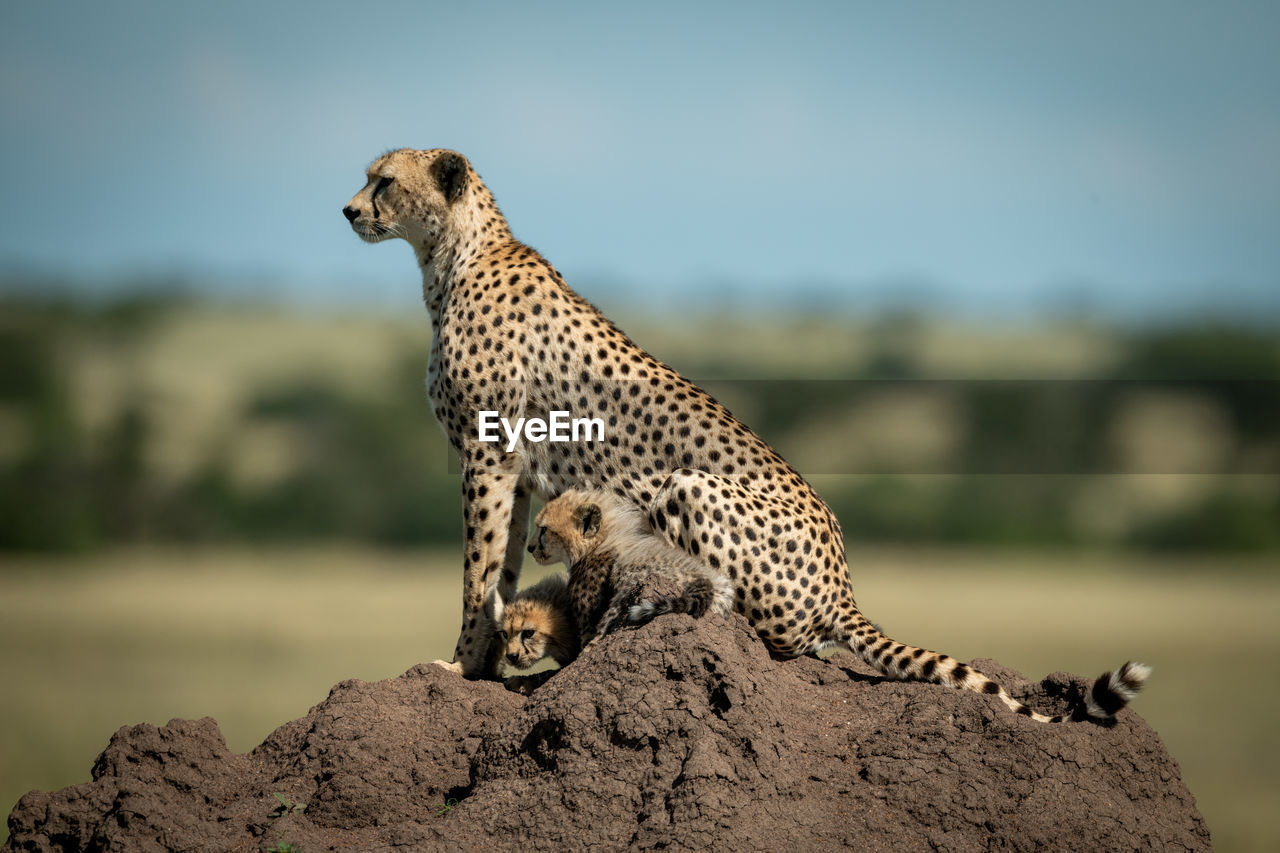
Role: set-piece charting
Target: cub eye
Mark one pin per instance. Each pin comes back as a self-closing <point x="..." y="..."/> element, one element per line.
<point x="502" y="635"/>
<point x="527" y="634"/>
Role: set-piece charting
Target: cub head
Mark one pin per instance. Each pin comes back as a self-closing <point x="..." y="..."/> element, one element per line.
<point x="527" y="631"/>
<point x="567" y="528"/>
<point x="411" y="195"/>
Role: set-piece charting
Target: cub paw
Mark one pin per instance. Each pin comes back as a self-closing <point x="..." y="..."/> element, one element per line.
<point x="526" y="684"/>
<point x="522" y="684"/>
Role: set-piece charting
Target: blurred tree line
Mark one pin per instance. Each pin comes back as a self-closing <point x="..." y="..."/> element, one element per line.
<point x="366" y="469"/>
<point x="1172" y="443"/>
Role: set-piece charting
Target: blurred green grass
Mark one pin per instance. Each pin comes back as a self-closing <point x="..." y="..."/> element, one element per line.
<point x="254" y="638"/>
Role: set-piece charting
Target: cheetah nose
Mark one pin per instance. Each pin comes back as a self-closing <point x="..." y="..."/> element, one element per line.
<point x="513" y="657"/>
<point x="351" y="213"/>
<point x="530" y="548"/>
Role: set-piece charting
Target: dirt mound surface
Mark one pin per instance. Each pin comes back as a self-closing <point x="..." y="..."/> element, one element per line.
<point x="679" y="735"/>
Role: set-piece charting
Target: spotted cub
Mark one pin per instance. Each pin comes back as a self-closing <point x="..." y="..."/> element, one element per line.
<point x="538" y="623"/>
<point x="542" y="621"/>
<point x="616" y="564"/>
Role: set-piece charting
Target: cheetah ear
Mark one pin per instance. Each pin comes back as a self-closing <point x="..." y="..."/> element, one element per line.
<point x="450" y="174"/>
<point x="589" y="520"/>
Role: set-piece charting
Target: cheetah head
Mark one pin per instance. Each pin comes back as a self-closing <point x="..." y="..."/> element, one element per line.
<point x="567" y="529"/>
<point x="526" y="630"/>
<point x="411" y="195"/>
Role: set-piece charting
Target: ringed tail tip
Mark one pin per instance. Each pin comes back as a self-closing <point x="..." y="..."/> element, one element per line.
<point x="1113" y="690"/>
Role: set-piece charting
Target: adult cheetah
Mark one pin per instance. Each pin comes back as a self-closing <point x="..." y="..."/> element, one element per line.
<point x="509" y="336"/>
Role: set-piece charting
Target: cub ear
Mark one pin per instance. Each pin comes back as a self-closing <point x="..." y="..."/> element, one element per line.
<point x="589" y="520"/>
<point x="450" y="174"/>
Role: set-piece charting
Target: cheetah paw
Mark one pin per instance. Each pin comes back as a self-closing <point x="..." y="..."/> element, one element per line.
<point x="452" y="666"/>
<point x="522" y="684"/>
<point x="526" y="684"/>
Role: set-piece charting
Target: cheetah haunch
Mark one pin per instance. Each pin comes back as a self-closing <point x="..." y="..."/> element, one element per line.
<point x="509" y="336"/>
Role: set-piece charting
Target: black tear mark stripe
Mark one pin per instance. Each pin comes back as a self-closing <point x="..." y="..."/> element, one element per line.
<point x="382" y="184"/>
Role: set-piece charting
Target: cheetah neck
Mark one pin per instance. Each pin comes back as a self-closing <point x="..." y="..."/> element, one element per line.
<point x="590" y="559"/>
<point x="472" y="233"/>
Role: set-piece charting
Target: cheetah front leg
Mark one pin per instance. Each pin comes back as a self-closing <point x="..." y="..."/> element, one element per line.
<point x="495" y="506"/>
<point x="517" y="535"/>
<point x="509" y="577"/>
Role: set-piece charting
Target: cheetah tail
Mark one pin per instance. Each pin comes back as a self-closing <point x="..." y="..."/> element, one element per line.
<point x="1111" y="692"/>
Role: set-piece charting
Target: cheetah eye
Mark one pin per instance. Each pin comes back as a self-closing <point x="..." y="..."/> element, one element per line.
<point x="527" y="634"/>
<point x="502" y="635"/>
<point x="382" y="184"/>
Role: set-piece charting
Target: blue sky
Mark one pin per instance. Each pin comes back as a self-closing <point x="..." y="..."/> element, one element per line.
<point x="985" y="157"/>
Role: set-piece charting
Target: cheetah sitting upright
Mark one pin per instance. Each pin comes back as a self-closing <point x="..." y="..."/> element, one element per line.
<point x="511" y="340"/>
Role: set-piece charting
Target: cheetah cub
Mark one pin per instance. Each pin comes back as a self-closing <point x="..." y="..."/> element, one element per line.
<point x="538" y="623"/>
<point x="614" y="557"/>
